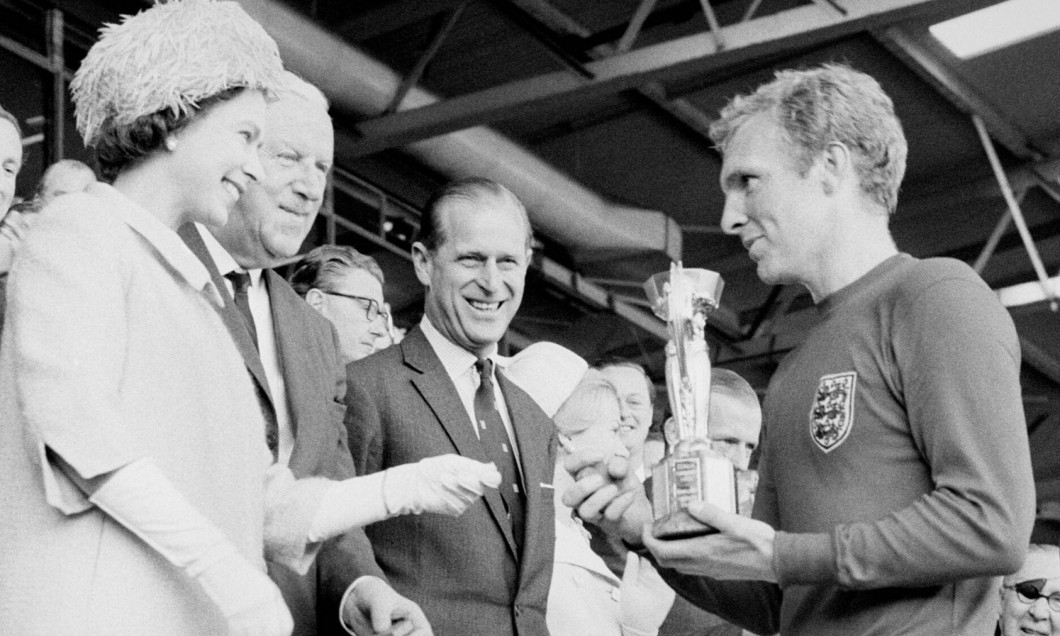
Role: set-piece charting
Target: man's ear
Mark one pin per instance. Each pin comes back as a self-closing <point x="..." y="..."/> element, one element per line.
<point x="315" y="298"/>
<point x="422" y="263"/>
<point x="837" y="165"/>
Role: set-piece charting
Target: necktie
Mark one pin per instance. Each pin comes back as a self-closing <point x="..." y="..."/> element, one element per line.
<point x="240" y="284"/>
<point x="499" y="449"/>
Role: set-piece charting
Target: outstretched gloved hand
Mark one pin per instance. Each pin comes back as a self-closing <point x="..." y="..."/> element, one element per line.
<point x="446" y="484"/>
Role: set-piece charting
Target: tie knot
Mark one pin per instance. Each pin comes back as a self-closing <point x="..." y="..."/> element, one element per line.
<point x="484" y="366"/>
<point x="240" y="280"/>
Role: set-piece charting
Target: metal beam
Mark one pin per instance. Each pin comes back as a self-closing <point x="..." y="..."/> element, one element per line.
<point x="679" y="109"/>
<point x="644" y="9"/>
<point x="783" y="31"/>
<point x="1042" y="174"/>
<point x="995" y="237"/>
<point x="1040" y="359"/>
<point x="413" y="78"/>
<point x="390" y="16"/>
<point x="712" y="22"/>
<point x="57" y="94"/>
<point x="925" y="61"/>
<point x="40" y="61"/>
<point x="751" y="8"/>
<point x="1014" y="210"/>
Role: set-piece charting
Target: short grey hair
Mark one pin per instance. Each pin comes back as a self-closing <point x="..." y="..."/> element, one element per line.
<point x="819" y="106"/>
<point x="293" y="86"/>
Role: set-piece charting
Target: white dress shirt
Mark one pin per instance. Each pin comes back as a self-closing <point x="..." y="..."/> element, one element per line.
<point x="459" y="363"/>
<point x="261" y="309"/>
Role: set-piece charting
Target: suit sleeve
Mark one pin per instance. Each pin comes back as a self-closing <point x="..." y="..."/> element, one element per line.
<point x="346" y="558"/>
<point x="343" y="464"/>
<point x="753" y="605"/>
<point x="364" y="428"/>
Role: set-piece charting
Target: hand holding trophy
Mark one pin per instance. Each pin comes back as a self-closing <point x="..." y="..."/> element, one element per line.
<point x="692" y="471"/>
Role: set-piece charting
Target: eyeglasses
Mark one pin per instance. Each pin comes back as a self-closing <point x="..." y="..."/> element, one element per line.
<point x="371" y="310"/>
<point x="1030" y="591"/>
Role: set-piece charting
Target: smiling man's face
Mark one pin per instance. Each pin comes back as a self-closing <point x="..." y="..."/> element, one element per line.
<point x="274" y="216"/>
<point x="475" y="276"/>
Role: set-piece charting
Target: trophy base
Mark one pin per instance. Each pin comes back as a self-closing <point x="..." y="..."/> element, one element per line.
<point x="680" y="525"/>
<point x="694" y="472"/>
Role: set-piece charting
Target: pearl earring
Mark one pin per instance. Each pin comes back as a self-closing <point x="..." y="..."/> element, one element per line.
<point x="171" y="144"/>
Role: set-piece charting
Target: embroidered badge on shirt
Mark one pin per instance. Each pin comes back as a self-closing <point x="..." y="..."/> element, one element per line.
<point x="832" y="415"/>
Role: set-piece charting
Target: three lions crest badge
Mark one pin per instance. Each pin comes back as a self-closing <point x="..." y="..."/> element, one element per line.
<point x="832" y="414"/>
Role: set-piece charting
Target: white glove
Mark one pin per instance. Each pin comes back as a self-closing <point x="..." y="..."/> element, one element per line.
<point x="143" y="500"/>
<point x="249" y="600"/>
<point x="447" y="484"/>
<point x="645" y="598"/>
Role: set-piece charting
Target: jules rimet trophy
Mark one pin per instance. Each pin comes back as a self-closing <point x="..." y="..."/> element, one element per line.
<point x="692" y="471"/>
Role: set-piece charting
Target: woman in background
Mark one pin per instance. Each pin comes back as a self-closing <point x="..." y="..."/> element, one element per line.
<point x="585" y="596"/>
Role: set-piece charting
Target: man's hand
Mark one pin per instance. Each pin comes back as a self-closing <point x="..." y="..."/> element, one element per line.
<point x="607" y="494"/>
<point x="373" y="608"/>
<point x="741" y="549"/>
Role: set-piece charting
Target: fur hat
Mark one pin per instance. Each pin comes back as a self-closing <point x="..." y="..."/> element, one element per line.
<point x="170" y="57"/>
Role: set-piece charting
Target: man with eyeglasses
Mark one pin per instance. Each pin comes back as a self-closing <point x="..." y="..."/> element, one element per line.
<point x="346" y="287"/>
<point x="1030" y="598"/>
<point x="293" y="356"/>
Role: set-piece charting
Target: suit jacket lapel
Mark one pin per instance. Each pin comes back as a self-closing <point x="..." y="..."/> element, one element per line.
<point x="441" y="396"/>
<point x="229" y="313"/>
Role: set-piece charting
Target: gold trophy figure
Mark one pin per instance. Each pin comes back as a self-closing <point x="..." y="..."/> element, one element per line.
<point x="692" y="471"/>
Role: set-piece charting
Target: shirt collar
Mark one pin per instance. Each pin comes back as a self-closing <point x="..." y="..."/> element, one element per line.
<point x="456" y="359"/>
<point x="222" y="259"/>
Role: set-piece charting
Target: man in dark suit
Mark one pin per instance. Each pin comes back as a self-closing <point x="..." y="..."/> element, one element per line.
<point x="293" y="356"/>
<point x="487" y="572"/>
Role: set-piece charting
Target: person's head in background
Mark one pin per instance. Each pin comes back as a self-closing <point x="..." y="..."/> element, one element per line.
<point x="1030" y="598"/>
<point x="10" y="158"/>
<point x="471" y="256"/>
<point x="636" y="397"/>
<point x="62" y="177"/>
<point x="589" y="419"/>
<point x="346" y="287"/>
<point x="735" y="419"/>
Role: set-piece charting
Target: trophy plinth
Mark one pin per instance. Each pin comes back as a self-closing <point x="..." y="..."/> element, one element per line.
<point x="692" y="471"/>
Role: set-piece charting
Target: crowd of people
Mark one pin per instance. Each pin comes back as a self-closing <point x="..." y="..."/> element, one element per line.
<point x="193" y="443"/>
